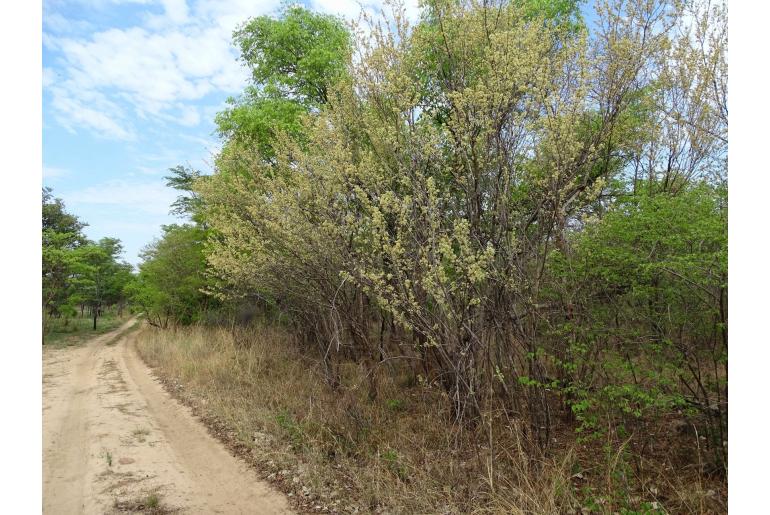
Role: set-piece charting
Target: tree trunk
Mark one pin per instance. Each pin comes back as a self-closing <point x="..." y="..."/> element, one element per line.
<point x="95" y="312"/>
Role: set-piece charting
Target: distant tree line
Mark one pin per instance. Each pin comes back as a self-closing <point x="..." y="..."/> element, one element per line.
<point x="80" y="277"/>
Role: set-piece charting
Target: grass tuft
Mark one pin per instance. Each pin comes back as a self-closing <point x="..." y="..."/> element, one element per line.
<point x="150" y="504"/>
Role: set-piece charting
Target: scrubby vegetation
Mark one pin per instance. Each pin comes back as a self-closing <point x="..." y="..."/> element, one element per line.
<point x="478" y="263"/>
<point x="268" y="401"/>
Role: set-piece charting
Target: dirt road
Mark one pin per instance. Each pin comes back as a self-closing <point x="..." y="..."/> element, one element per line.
<point x="115" y="442"/>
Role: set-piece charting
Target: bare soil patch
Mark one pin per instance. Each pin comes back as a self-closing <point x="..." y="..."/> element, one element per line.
<point x="115" y="442"/>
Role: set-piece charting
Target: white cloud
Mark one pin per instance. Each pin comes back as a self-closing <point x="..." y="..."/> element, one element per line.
<point x="227" y="15"/>
<point x="151" y="198"/>
<point x="59" y="24"/>
<point x="49" y="77"/>
<point x="181" y="53"/>
<point x="174" y="58"/>
<point x="105" y="4"/>
<point x="152" y="71"/>
<point x="149" y="170"/>
<point x="189" y="116"/>
<point x="351" y="9"/>
<point x="50" y="41"/>
<point x="176" y="10"/>
<point x="348" y="8"/>
<point x="53" y="172"/>
<point x="88" y="109"/>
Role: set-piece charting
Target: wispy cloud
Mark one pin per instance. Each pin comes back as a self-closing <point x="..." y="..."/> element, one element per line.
<point x="180" y="53"/>
<point x="74" y="110"/>
<point x="49" y="77"/>
<point x="173" y="58"/>
<point x="53" y="172"/>
<point x="151" y="197"/>
<point x="58" y="24"/>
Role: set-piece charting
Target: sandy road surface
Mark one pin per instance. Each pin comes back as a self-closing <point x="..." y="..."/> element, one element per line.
<point x="114" y="441"/>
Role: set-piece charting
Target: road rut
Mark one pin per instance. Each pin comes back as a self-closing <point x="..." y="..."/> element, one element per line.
<point x="114" y="442"/>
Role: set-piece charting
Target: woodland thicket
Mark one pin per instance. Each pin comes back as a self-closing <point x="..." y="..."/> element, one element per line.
<point x="516" y="204"/>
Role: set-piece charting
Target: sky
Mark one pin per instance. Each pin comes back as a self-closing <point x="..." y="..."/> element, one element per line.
<point x="130" y="89"/>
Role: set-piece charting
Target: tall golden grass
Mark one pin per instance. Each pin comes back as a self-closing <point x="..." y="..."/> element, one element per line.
<point x="338" y="449"/>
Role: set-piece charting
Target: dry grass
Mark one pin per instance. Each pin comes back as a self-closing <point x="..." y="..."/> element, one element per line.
<point x="75" y="331"/>
<point x="338" y="450"/>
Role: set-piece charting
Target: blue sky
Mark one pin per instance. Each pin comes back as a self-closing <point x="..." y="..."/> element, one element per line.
<point x="130" y="89"/>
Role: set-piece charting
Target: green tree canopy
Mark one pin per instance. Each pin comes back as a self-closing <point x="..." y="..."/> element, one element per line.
<point x="170" y="282"/>
<point x="293" y="62"/>
<point x="98" y="277"/>
<point x="61" y="234"/>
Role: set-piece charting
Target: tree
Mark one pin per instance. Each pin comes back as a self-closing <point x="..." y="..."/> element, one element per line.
<point x="170" y="282"/>
<point x="98" y="278"/>
<point x="61" y="235"/>
<point x="533" y="212"/>
<point x="188" y="203"/>
<point x="296" y="57"/>
<point x="293" y="61"/>
<point x="56" y="220"/>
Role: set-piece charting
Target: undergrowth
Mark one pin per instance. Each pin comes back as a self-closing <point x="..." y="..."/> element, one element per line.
<point x="75" y="331"/>
<point x="400" y="453"/>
